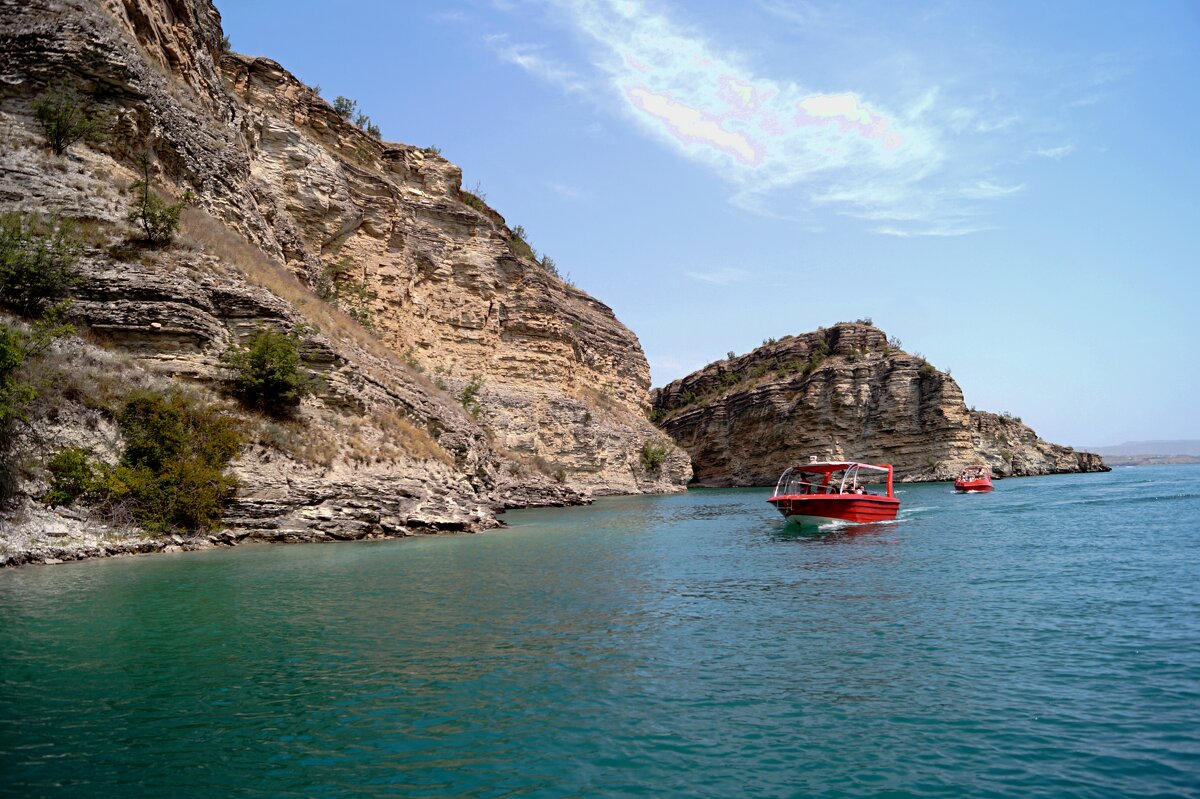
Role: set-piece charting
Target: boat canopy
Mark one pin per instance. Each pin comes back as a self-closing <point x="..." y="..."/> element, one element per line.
<point x="793" y="481"/>
<point x="827" y="467"/>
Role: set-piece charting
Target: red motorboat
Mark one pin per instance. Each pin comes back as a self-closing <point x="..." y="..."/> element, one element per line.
<point x="972" y="479"/>
<point x="819" y="492"/>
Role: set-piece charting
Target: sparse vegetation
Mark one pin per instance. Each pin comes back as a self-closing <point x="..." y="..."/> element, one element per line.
<point x="864" y="320"/>
<point x="337" y="287"/>
<point x="469" y="396"/>
<point x="894" y="343"/>
<point x="652" y="456"/>
<point x="71" y="476"/>
<point x="474" y="200"/>
<point x="816" y="358"/>
<point x="20" y="384"/>
<point x="432" y="149"/>
<point x="519" y="240"/>
<point x="926" y="370"/>
<point x="344" y="107"/>
<point x="268" y="374"/>
<point x="66" y="118"/>
<point x="547" y="263"/>
<point x="37" y="262"/>
<point x="157" y="218"/>
<point x="172" y="473"/>
<point x="348" y="110"/>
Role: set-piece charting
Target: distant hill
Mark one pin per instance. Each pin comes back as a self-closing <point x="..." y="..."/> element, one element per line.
<point x="1155" y="448"/>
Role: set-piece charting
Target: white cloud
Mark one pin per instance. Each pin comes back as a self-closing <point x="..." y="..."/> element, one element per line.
<point x="722" y="276"/>
<point x="1057" y="153"/>
<point x="782" y="145"/>
<point x="986" y="190"/>
<point x="531" y="58"/>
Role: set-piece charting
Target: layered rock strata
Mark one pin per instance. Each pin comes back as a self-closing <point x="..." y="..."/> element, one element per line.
<point x="289" y="194"/>
<point x="843" y="393"/>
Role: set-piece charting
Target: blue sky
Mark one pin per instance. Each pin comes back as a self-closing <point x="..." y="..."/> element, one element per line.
<point x="1012" y="189"/>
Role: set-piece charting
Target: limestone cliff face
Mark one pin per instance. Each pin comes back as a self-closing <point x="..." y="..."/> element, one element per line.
<point x="285" y="190"/>
<point x="843" y="393"/>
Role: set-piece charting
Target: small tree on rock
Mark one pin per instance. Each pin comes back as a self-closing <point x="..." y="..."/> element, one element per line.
<point x="268" y="372"/>
<point x="157" y="218"/>
<point x="65" y="118"/>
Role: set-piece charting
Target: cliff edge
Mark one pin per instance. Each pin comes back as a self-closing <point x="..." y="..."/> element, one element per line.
<point x="456" y="374"/>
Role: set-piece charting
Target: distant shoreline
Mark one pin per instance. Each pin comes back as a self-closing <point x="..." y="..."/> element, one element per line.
<point x="1150" y="460"/>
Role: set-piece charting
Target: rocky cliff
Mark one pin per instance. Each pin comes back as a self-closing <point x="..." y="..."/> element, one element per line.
<point x="497" y="383"/>
<point x="843" y="392"/>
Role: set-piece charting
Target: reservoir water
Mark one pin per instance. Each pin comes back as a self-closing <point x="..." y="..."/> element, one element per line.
<point x="1043" y="640"/>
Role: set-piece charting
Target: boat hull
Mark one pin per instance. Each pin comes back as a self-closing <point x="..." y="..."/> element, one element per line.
<point x="972" y="486"/>
<point x="820" y="509"/>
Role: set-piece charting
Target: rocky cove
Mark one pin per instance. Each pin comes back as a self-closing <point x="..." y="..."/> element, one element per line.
<point x="466" y="378"/>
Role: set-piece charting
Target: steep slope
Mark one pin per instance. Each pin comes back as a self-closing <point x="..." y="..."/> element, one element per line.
<point x="844" y="393"/>
<point x="288" y="197"/>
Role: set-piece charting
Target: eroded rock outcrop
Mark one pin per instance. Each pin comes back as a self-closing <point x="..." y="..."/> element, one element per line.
<point x="287" y="192"/>
<point x="843" y="393"/>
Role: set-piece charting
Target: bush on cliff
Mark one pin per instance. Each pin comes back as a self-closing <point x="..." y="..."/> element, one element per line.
<point x="71" y="476"/>
<point x="354" y="296"/>
<point x="268" y="372"/>
<point x="37" y="261"/>
<point x="20" y="381"/>
<point x="172" y="473"/>
<point x="157" y="218"/>
<point x="65" y="118"/>
<point x="652" y="456"/>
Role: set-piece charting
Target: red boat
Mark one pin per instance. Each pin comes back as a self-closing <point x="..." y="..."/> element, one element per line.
<point x="819" y="492"/>
<point x="974" y="478"/>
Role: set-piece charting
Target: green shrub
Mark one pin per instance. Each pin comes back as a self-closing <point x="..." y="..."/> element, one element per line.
<point x="15" y="395"/>
<point x="72" y="476"/>
<point x="157" y="218"/>
<point x="37" y="261"/>
<point x="547" y="263"/>
<point x="926" y="369"/>
<point x="172" y="473"/>
<point x="344" y="107"/>
<point x="469" y="396"/>
<point x="65" y="118"/>
<point x="652" y="456"/>
<point x="352" y="295"/>
<point x="268" y="374"/>
<point x="474" y="200"/>
<point x="432" y="149"/>
<point x="519" y="240"/>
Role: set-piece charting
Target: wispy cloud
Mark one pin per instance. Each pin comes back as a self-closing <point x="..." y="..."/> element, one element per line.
<point x="532" y="59"/>
<point x="767" y="135"/>
<point x="987" y="190"/>
<point x="911" y="164"/>
<point x="565" y="191"/>
<point x="1056" y="153"/>
<point x="723" y="276"/>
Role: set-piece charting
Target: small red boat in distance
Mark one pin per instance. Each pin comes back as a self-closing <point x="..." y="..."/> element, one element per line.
<point x="825" y="491"/>
<point x="972" y="479"/>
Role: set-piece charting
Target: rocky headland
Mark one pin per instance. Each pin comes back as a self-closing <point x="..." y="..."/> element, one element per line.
<point x="455" y="374"/>
<point x="843" y="392"/>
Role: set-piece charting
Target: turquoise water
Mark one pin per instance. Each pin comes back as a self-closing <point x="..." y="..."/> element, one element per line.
<point x="1043" y="640"/>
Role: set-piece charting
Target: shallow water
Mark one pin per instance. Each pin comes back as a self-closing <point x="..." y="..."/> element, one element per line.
<point x="1042" y="640"/>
